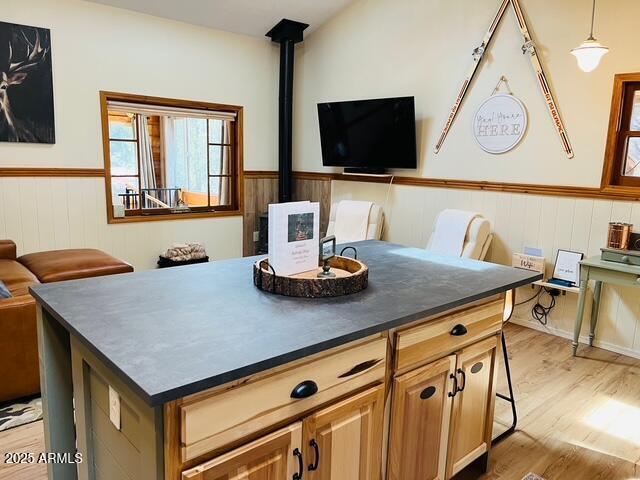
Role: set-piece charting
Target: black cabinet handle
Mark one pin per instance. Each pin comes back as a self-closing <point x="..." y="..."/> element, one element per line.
<point x="428" y="392"/>
<point x="455" y="385"/>
<point x="298" y="476"/>
<point x="459" y="330"/>
<point x="464" y="380"/>
<point x="304" y="389"/>
<point x="314" y="465"/>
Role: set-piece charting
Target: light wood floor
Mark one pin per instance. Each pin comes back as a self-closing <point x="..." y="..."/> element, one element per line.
<point x="28" y="438"/>
<point x="579" y="417"/>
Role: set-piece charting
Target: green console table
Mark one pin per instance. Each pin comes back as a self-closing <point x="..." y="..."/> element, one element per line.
<point x="601" y="271"/>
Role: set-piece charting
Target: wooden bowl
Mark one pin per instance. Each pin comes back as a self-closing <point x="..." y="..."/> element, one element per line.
<point x="352" y="276"/>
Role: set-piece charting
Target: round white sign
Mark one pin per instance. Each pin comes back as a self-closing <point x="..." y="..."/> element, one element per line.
<point x="500" y="123"/>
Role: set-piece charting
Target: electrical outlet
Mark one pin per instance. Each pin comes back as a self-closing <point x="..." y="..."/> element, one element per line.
<point x="256" y="236"/>
<point x="114" y="407"/>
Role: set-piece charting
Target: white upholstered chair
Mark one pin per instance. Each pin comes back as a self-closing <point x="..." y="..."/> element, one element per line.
<point x="476" y="244"/>
<point x="374" y="222"/>
<point x="477" y="240"/>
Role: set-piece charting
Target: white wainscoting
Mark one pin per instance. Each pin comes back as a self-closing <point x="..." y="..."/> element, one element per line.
<point x="55" y="213"/>
<point x="521" y="220"/>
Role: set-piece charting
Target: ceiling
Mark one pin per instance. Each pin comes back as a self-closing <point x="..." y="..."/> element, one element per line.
<point x="249" y="17"/>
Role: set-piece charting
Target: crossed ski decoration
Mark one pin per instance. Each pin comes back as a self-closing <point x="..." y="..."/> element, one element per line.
<point x="527" y="48"/>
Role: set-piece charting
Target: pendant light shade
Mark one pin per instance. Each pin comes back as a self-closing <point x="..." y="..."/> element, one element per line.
<point x="590" y="52"/>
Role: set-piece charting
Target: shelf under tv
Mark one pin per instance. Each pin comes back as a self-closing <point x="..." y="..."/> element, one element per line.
<point x="376" y="172"/>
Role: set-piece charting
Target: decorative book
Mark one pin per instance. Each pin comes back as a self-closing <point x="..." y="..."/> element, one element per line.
<point x="294" y="235"/>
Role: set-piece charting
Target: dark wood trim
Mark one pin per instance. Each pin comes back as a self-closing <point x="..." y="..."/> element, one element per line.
<point x="169" y="102"/>
<point x="615" y="150"/>
<point x="238" y="166"/>
<point x="51" y="172"/>
<point x="237" y="187"/>
<point x="106" y="152"/>
<point x="260" y="174"/>
<point x="531" y="189"/>
<point x="322" y="176"/>
<point x="177" y="216"/>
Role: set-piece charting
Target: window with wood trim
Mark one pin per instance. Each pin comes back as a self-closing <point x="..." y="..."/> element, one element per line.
<point x="169" y="158"/>
<point x="622" y="157"/>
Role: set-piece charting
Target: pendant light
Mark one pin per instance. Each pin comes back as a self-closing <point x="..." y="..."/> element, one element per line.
<point x="590" y="52"/>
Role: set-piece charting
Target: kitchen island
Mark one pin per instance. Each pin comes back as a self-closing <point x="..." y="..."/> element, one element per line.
<point x="193" y="373"/>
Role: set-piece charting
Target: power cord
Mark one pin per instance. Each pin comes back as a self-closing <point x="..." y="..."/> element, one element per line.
<point x="384" y="208"/>
<point x="540" y="311"/>
<point x="529" y="299"/>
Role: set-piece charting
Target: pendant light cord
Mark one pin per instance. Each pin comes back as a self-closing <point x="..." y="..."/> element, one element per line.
<point x="593" y="16"/>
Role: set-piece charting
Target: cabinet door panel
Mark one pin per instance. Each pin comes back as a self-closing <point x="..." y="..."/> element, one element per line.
<point x="268" y="458"/>
<point x="472" y="415"/>
<point x="421" y="411"/>
<point x="347" y="437"/>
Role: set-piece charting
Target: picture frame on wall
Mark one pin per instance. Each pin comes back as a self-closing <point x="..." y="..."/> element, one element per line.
<point x="26" y="85"/>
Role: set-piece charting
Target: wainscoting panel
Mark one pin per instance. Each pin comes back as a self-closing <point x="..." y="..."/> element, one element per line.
<point x="521" y="220"/>
<point x="45" y="213"/>
<point x="260" y="189"/>
<point x="314" y="191"/>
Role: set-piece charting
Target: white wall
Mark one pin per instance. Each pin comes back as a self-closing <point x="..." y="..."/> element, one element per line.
<point x="378" y="48"/>
<point x="95" y="48"/>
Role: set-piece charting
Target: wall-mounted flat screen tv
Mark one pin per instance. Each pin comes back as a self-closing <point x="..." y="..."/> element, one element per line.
<point x="368" y="135"/>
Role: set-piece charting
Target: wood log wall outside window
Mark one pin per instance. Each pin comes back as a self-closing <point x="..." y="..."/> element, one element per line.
<point x="170" y="159"/>
<point x="621" y="172"/>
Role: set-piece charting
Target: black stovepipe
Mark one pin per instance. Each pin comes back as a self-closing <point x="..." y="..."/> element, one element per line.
<point x="287" y="33"/>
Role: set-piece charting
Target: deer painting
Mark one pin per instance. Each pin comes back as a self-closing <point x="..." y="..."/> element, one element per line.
<point x="26" y="88"/>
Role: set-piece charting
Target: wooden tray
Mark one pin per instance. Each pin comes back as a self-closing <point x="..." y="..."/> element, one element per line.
<point x="352" y="276"/>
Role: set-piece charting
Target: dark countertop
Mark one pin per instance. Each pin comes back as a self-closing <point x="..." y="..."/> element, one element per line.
<point x="172" y="332"/>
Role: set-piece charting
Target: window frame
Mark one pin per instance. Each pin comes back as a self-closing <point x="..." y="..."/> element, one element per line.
<point x="613" y="181"/>
<point x="235" y="208"/>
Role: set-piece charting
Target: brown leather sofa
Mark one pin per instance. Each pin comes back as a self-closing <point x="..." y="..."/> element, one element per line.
<point x="19" y="369"/>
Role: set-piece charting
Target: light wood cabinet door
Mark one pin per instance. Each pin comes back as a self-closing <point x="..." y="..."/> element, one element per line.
<point x="421" y="410"/>
<point x="344" y="441"/>
<point x="472" y="415"/>
<point x="277" y="456"/>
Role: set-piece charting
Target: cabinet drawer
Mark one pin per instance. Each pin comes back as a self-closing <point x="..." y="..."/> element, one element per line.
<point x="435" y="339"/>
<point x="621" y="257"/>
<point x="225" y="417"/>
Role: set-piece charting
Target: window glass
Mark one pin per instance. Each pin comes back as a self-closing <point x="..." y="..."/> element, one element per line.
<point x="124" y="158"/>
<point x="220" y="190"/>
<point x="219" y="131"/>
<point x="219" y="160"/>
<point x="215" y="131"/>
<point x="122" y="126"/>
<point x="635" y="112"/>
<point x="632" y="163"/>
<point x="186" y="158"/>
<point x="124" y="191"/>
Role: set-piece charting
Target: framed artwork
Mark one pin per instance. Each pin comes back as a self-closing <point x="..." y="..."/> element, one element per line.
<point x="26" y="84"/>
